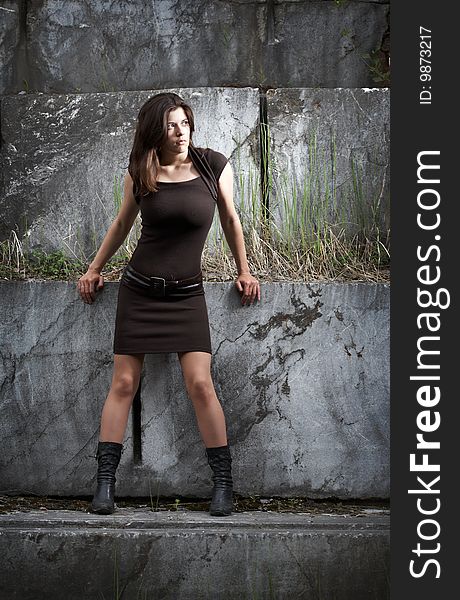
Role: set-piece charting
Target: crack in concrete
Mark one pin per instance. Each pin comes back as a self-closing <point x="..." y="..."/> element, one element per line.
<point x="226" y="339"/>
<point x="10" y="372"/>
<point x="156" y="415"/>
<point x="285" y="387"/>
<point x="330" y="480"/>
<point x="359" y="106"/>
<point x="93" y="376"/>
<point x="307" y="576"/>
<point x="338" y="314"/>
<point x="342" y="421"/>
<point x="352" y="346"/>
<point x="283" y="417"/>
<point x="82" y="458"/>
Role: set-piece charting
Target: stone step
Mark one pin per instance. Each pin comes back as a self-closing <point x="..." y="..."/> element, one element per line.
<point x="190" y="555"/>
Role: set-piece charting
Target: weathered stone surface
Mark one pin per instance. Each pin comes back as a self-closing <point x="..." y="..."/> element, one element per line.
<point x="303" y="378"/>
<point x="64" y="158"/>
<point x="143" y="554"/>
<point x="330" y="151"/>
<point x="68" y="47"/>
<point x="55" y="373"/>
<point x="12" y="45"/>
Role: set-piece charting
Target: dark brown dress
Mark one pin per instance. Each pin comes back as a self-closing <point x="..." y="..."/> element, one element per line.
<point x="175" y="223"/>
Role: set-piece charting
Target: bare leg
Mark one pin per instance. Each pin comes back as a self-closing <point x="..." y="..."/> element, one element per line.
<point x="125" y="381"/>
<point x="196" y="369"/>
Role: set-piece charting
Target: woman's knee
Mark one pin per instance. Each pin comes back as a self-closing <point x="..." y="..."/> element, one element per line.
<point x="126" y="374"/>
<point x="200" y="387"/>
<point x="125" y="384"/>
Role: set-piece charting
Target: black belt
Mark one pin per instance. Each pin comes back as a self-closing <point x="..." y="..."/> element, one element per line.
<point x="159" y="286"/>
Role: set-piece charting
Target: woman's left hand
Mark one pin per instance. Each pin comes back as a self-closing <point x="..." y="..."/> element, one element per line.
<point x="250" y="287"/>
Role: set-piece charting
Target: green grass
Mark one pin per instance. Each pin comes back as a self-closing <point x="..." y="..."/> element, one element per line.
<point x="378" y="69"/>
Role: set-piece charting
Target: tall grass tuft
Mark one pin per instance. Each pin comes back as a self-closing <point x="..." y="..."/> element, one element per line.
<point x="315" y="227"/>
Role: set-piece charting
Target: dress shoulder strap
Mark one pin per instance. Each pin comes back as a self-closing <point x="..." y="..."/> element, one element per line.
<point x="203" y="167"/>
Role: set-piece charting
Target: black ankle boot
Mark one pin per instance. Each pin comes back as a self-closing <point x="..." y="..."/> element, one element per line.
<point x="220" y="461"/>
<point x="108" y="456"/>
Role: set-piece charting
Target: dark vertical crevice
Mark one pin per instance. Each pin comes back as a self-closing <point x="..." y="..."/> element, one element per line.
<point x="2" y="143"/>
<point x="268" y="56"/>
<point x="136" y="416"/>
<point x="385" y="50"/>
<point x="264" y="152"/>
<point x="22" y="18"/>
<point x="270" y="22"/>
<point x="20" y="65"/>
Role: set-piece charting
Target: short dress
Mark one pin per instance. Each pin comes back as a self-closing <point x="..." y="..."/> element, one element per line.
<point x="175" y="223"/>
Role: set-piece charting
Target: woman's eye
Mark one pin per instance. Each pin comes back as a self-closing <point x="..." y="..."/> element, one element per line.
<point x="171" y="125"/>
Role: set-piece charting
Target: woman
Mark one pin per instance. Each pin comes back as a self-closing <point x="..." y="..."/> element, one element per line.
<point x="161" y="303"/>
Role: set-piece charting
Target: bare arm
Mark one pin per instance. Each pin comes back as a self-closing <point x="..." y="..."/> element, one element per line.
<point x="233" y="231"/>
<point x="115" y="236"/>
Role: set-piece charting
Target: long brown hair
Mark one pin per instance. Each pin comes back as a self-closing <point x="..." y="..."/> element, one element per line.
<point x="151" y="133"/>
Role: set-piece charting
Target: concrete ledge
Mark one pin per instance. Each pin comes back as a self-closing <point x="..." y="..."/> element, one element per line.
<point x="193" y="556"/>
<point x="303" y="377"/>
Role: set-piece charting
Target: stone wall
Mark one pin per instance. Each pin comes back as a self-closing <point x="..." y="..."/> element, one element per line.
<point x="303" y="377"/>
<point x="54" y="46"/>
<point x="64" y="157"/>
<point x="330" y="157"/>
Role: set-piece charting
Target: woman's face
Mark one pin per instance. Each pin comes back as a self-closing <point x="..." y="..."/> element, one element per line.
<point x="178" y="132"/>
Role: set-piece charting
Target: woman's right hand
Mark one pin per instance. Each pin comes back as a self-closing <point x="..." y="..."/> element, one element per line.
<point x="88" y="284"/>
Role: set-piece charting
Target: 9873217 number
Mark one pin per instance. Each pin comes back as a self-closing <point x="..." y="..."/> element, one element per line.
<point x="425" y="65"/>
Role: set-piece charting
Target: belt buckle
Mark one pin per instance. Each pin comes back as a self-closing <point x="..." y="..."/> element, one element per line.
<point x="157" y="286"/>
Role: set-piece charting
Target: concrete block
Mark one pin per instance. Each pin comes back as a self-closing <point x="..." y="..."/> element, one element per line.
<point x="330" y="156"/>
<point x="303" y="378"/>
<point x="54" y="372"/>
<point x="193" y="556"/>
<point x="64" y="158"/>
<point x="62" y="47"/>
